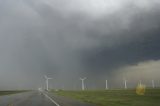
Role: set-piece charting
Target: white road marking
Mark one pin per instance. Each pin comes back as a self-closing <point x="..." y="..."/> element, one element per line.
<point x="51" y="99"/>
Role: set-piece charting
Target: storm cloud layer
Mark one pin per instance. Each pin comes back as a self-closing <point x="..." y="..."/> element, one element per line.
<point x="68" y="39"/>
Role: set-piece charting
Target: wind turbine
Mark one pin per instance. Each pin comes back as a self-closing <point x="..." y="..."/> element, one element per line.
<point x="153" y="85"/>
<point x="125" y="83"/>
<point x="82" y="79"/>
<point x="47" y="84"/>
<point x="106" y="84"/>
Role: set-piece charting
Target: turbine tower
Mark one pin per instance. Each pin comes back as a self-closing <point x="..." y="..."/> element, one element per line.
<point x="47" y="84"/>
<point x="82" y="79"/>
<point x="153" y="85"/>
<point x="125" y="83"/>
<point x="106" y="85"/>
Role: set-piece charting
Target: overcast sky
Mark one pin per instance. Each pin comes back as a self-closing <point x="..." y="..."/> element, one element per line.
<point x="69" y="39"/>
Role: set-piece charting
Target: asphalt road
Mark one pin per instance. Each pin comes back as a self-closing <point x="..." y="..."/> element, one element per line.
<point x="36" y="98"/>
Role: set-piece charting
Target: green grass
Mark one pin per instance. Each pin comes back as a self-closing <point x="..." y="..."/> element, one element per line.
<point x="10" y="92"/>
<point x="115" y="97"/>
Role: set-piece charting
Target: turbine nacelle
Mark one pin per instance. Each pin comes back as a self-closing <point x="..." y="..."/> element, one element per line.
<point x="83" y="78"/>
<point x="47" y="77"/>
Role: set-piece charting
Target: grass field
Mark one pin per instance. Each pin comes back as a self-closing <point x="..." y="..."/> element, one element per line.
<point x="115" y="97"/>
<point x="9" y="92"/>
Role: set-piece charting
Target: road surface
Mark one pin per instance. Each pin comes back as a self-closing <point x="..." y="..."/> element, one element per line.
<point x="36" y="98"/>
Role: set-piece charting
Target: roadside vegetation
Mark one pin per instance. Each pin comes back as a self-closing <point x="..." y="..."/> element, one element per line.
<point x="10" y="92"/>
<point x="115" y="97"/>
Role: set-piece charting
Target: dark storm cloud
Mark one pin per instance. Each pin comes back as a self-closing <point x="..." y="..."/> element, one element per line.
<point x="128" y="54"/>
<point x="143" y="46"/>
<point x="138" y="42"/>
<point x="62" y="39"/>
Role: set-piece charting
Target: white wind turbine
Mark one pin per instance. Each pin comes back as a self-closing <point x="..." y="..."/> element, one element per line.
<point x="82" y="79"/>
<point x="106" y="84"/>
<point x="125" y="83"/>
<point x="47" y="84"/>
